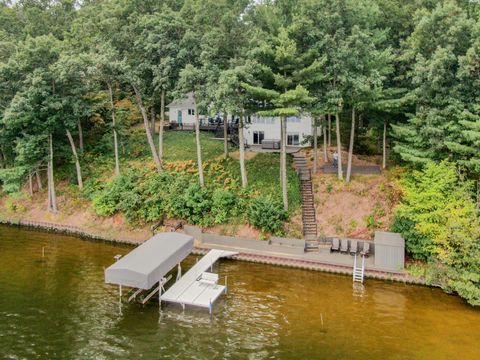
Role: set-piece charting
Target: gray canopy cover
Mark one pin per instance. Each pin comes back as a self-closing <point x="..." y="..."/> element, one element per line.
<point x="147" y="264"/>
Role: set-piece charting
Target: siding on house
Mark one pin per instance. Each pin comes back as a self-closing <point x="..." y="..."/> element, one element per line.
<point x="182" y="110"/>
<point x="299" y="128"/>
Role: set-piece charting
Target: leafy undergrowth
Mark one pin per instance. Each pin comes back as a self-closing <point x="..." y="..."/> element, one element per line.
<point x="141" y="196"/>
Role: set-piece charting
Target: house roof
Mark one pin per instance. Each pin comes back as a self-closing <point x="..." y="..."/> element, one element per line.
<point x="186" y="103"/>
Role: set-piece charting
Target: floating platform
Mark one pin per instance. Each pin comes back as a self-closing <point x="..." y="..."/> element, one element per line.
<point x="198" y="287"/>
<point x="146" y="268"/>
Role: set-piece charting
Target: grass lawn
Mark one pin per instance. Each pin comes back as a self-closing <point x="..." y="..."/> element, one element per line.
<point x="180" y="145"/>
<point x="262" y="170"/>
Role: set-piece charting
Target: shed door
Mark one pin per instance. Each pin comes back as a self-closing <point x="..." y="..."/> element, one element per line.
<point x="179" y="116"/>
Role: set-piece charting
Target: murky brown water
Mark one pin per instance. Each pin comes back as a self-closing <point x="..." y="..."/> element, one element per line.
<point x="57" y="306"/>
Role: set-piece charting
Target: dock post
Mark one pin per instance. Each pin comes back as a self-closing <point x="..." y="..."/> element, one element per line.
<point x="225" y="284"/>
<point x="160" y="294"/>
<point x="179" y="271"/>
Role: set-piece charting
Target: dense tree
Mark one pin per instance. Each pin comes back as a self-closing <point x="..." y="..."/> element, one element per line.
<point x="407" y="74"/>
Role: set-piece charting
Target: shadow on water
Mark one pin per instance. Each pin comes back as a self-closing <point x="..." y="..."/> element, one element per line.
<point x="54" y="304"/>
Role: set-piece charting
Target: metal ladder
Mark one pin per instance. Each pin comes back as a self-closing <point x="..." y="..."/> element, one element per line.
<point x="358" y="271"/>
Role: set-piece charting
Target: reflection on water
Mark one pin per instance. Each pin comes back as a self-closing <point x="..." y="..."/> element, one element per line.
<point x="54" y="304"/>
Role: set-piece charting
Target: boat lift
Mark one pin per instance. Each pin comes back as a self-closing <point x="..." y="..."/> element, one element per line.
<point x="146" y="267"/>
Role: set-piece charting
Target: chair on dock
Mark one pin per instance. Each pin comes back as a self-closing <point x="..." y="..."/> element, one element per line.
<point x="366" y="249"/>
<point x="344" y="245"/>
<point x="335" y="245"/>
<point x="353" y="247"/>
<point x="208" y="278"/>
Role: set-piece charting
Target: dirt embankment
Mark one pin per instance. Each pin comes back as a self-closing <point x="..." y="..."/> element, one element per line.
<point x="358" y="208"/>
<point x="73" y="212"/>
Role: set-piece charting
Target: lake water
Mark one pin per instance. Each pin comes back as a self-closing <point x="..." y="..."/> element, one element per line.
<point x="55" y="305"/>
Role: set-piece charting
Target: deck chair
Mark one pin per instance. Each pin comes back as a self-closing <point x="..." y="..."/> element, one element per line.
<point x="353" y="247"/>
<point x="344" y="246"/>
<point x="335" y="245"/>
<point x="366" y="249"/>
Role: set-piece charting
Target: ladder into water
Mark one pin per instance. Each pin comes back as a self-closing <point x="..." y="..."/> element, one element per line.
<point x="358" y="271"/>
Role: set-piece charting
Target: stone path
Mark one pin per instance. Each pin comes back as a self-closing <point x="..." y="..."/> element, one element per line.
<point x="309" y="218"/>
<point x="373" y="169"/>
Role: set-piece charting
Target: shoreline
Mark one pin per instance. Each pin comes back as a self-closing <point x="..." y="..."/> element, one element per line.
<point x="249" y="255"/>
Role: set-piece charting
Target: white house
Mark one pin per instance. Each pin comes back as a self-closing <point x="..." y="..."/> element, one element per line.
<point x="257" y="128"/>
<point x="182" y="111"/>
<point x="260" y="128"/>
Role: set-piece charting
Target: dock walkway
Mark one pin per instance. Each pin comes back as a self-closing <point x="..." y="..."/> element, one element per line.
<point x="191" y="290"/>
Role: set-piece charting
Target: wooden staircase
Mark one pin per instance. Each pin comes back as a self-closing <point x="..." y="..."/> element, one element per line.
<point x="309" y="218"/>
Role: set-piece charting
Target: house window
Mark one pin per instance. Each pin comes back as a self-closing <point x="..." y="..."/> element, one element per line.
<point x="258" y="137"/>
<point x="191" y="111"/>
<point x="293" y="139"/>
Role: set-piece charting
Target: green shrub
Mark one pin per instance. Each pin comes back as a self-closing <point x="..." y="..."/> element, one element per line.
<point x="197" y="203"/>
<point x="440" y="223"/>
<point x="267" y="214"/>
<point x="224" y="205"/>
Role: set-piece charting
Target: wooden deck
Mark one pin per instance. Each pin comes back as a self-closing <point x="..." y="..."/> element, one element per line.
<point x="368" y="170"/>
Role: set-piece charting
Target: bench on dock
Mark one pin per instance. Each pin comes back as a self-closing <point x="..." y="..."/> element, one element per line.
<point x="208" y="278"/>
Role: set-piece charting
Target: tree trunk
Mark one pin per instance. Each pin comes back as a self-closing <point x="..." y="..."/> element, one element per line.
<point x="153" y="149"/>
<point x="325" y="153"/>
<point x="329" y="130"/>
<point x="384" y="152"/>
<point x="350" y="147"/>
<point x="199" y="146"/>
<point x="241" y="145"/>
<point x="160" y="129"/>
<point x="225" y="136"/>
<point x="339" y="146"/>
<point x="283" y="161"/>
<point x="39" y="180"/>
<point x="153" y="115"/>
<point x="315" y="146"/>
<point x="80" y="136"/>
<point x="77" y="161"/>
<point x="52" y="197"/>
<point x="114" y="127"/>
<point x="30" y="184"/>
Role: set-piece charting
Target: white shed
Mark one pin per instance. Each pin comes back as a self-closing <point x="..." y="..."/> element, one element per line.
<point x="182" y="111"/>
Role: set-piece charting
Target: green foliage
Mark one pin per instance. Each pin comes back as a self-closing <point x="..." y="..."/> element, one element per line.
<point x="441" y="225"/>
<point x="267" y="214"/>
<point x="224" y="205"/>
<point x="147" y="197"/>
<point x="11" y="179"/>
